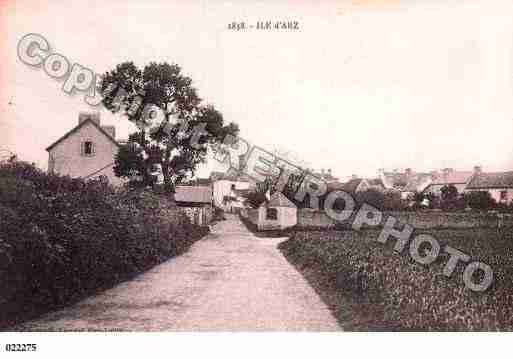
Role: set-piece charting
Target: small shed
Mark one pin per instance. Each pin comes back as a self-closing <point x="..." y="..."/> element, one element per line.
<point x="196" y="202"/>
<point x="277" y="213"/>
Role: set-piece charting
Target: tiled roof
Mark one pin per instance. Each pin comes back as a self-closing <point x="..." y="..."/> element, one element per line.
<point x="241" y="192"/>
<point x="452" y="177"/>
<point x="333" y="186"/>
<point x="193" y="194"/>
<point x="375" y="182"/>
<point x="218" y="176"/>
<point x="202" y="181"/>
<point x="396" y="179"/>
<point x="407" y="182"/>
<point x="417" y="182"/>
<point x="491" y="180"/>
<point x="279" y="200"/>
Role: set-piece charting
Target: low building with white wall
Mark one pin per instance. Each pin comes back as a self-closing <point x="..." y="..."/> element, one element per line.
<point x="498" y="184"/>
<point x="277" y="213"/>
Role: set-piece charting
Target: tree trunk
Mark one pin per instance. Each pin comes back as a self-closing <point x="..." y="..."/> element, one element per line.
<point x="167" y="170"/>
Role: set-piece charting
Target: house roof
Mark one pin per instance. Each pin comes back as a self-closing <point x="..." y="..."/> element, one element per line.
<point x="396" y="179"/>
<point x="491" y="180"/>
<point x="279" y="200"/>
<point x="326" y="176"/>
<point x="78" y="127"/>
<point x="351" y="185"/>
<point x="336" y="186"/>
<point x="193" y="194"/>
<point x="375" y="182"/>
<point x="417" y="182"/>
<point x="242" y="192"/>
<point x="407" y="182"/>
<point x="202" y="181"/>
<point x="218" y="176"/>
<point x="452" y="177"/>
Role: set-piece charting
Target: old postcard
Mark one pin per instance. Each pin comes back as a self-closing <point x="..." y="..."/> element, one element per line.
<point x="256" y="166"/>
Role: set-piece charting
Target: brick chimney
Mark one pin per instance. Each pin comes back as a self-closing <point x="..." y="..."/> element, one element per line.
<point x="83" y="116"/>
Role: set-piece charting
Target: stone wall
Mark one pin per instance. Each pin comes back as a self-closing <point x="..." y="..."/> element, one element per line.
<point x="308" y="218"/>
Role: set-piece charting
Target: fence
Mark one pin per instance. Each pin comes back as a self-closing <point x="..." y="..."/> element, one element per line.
<point x="201" y="216"/>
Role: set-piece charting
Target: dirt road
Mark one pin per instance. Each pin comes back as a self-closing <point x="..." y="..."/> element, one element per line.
<point x="228" y="281"/>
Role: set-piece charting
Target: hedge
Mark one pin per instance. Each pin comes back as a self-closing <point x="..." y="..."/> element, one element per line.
<point x="62" y="239"/>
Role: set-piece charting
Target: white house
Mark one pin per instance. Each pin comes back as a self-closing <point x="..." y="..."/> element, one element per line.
<point x="87" y="151"/>
<point x="277" y="213"/>
<point x="227" y="189"/>
<point x="450" y="177"/>
<point x="498" y="184"/>
<point x="407" y="182"/>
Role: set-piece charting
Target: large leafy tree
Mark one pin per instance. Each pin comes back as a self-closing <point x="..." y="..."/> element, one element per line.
<point x="167" y="110"/>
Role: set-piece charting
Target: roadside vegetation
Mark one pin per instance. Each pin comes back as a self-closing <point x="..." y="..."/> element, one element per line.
<point x="62" y="239"/>
<point x="370" y="287"/>
<point x="449" y="200"/>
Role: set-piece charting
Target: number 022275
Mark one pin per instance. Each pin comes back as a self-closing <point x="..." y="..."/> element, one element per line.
<point x="20" y="347"/>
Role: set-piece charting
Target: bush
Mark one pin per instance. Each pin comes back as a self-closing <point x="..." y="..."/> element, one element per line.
<point x="372" y="197"/>
<point x="393" y="201"/>
<point x="450" y="199"/>
<point x="218" y="214"/>
<point x="386" y="201"/>
<point x="62" y="239"/>
<point x="481" y="200"/>
<point x="255" y="198"/>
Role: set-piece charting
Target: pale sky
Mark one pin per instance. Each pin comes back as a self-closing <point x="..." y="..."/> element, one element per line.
<point x="363" y="85"/>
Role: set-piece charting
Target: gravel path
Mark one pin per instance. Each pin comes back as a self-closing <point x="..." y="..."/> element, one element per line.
<point x="228" y="281"/>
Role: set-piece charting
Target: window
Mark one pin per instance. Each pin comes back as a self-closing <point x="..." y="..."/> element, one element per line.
<point x="272" y="214"/>
<point x="88" y="148"/>
<point x="504" y="195"/>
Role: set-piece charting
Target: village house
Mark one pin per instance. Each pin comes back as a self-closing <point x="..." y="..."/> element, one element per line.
<point x="450" y="177"/>
<point x="86" y="151"/>
<point x="498" y="184"/>
<point x="228" y="190"/>
<point x="356" y="185"/>
<point x="277" y="213"/>
<point x="407" y="182"/>
<point x="196" y="202"/>
<point x="326" y="176"/>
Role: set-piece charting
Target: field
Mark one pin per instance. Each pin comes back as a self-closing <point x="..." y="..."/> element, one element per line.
<point x="369" y="286"/>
